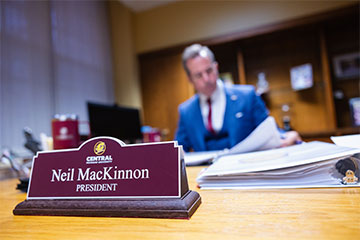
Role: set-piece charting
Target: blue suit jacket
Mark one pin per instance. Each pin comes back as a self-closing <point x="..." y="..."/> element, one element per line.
<point x="244" y="112"/>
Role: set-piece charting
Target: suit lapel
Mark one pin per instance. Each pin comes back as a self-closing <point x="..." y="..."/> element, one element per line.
<point x="198" y="127"/>
<point x="230" y="114"/>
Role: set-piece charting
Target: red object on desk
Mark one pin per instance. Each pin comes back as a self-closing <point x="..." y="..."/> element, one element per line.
<point x="65" y="131"/>
<point x="152" y="136"/>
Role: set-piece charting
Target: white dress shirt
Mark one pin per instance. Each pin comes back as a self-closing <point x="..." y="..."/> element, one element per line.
<point x="218" y="104"/>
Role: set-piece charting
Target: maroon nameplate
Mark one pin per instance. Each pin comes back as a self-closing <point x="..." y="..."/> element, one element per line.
<point x="105" y="167"/>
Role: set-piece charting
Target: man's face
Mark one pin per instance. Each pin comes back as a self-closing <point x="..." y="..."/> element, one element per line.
<point x="203" y="74"/>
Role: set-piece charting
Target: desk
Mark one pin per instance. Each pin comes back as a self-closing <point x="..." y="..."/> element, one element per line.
<point x="223" y="214"/>
<point x="325" y="135"/>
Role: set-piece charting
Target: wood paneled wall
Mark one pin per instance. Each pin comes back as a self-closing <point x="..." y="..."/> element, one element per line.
<point x="164" y="86"/>
<point x="275" y="55"/>
<point x="343" y="37"/>
<point x="164" y="83"/>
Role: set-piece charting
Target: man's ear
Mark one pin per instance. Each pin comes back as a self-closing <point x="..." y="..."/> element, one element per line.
<point x="189" y="78"/>
<point x="216" y="66"/>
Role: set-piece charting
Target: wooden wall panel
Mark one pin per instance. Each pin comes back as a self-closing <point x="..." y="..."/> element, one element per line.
<point x="315" y="40"/>
<point x="342" y="38"/>
<point x="307" y="115"/>
<point x="164" y="86"/>
<point x="275" y="55"/>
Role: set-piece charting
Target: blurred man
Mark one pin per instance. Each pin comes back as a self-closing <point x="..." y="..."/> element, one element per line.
<point x="218" y="116"/>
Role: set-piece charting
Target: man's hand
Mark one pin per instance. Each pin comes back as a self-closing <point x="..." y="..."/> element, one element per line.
<point x="291" y="138"/>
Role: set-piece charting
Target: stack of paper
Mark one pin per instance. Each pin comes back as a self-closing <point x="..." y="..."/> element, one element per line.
<point x="300" y="166"/>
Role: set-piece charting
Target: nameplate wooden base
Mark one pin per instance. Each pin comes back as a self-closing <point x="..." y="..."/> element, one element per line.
<point x="181" y="208"/>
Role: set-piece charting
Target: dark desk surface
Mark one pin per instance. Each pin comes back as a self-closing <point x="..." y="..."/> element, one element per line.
<point x="325" y="135"/>
<point x="223" y="214"/>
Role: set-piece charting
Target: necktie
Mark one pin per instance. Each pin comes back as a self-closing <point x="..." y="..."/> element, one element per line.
<point x="209" y="125"/>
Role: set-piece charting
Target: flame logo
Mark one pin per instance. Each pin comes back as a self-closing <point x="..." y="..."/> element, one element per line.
<point x="99" y="148"/>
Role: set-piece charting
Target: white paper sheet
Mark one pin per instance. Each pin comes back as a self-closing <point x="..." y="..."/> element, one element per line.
<point x="265" y="136"/>
<point x="352" y="141"/>
<point x="198" y="158"/>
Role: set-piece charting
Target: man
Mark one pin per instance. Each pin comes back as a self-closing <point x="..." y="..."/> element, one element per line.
<point x="217" y="117"/>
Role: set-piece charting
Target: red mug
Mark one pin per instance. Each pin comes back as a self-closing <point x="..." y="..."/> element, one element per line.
<point x="65" y="131"/>
<point x="153" y="135"/>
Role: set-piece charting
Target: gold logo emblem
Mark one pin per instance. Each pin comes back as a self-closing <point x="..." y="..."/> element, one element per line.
<point x="99" y="148"/>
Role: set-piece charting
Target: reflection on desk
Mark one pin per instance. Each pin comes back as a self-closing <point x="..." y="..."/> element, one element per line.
<point x="224" y="214"/>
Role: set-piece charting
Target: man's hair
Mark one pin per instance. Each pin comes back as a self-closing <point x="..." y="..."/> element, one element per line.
<point x="194" y="51"/>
